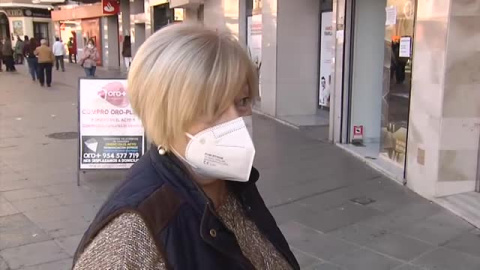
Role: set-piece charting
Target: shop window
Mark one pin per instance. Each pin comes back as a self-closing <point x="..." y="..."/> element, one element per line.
<point x="163" y="15"/>
<point x="41" y="31"/>
<point x="380" y="81"/>
<point x="397" y="84"/>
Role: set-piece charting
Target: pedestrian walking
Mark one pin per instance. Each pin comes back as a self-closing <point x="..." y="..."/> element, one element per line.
<point x="45" y="63"/>
<point x="72" y="50"/>
<point x="19" y="51"/>
<point x="191" y="202"/>
<point x="7" y="52"/>
<point x="127" y="52"/>
<point x="32" y="61"/>
<point x="59" y="52"/>
<point x="89" y="59"/>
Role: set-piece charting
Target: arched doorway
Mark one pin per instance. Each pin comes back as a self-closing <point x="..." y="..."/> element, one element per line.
<point x="4" y="25"/>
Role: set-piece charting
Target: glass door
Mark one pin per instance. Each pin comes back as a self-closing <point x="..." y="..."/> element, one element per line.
<point x="91" y="30"/>
<point x="397" y="79"/>
<point x="4" y="26"/>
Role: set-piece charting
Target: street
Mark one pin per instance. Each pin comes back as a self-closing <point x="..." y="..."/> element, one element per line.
<point x="334" y="210"/>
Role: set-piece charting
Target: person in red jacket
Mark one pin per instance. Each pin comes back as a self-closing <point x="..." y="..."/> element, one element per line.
<point x="72" y="49"/>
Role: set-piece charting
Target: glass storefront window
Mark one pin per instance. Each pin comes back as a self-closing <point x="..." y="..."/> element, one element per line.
<point x="380" y="81"/>
<point x="91" y="30"/>
<point x="397" y="78"/>
<point x="41" y="31"/>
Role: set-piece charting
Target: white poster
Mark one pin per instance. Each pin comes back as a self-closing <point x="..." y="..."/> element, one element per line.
<point x="18" y="28"/>
<point x="391" y="15"/>
<point x="111" y="135"/>
<point x="327" y="40"/>
<point x="405" y="47"/>
<point x="254" y="40"/>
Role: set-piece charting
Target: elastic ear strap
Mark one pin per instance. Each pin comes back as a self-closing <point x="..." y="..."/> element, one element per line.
<point x="190" y="136"/>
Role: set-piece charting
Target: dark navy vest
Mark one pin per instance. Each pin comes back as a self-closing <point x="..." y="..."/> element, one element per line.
<point x="181" y="218"/>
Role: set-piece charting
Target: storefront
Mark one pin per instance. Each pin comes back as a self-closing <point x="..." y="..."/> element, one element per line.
<point x="71" y="29"/>
<point x="405" y="96"/>
<point x="378" y="42"/>
<point x="25" y="21"/>
<point x="97" y="22"/>
<point x="162" y="15"/>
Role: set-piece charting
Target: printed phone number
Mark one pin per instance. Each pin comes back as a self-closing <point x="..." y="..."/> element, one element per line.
<point x="112" y="155"/>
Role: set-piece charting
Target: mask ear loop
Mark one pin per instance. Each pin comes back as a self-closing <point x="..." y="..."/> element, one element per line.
<point x="183" y="159"/>
<point x="194" y="138"/>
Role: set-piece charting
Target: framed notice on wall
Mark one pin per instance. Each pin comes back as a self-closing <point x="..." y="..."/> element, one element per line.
<point x="111" y="135"/>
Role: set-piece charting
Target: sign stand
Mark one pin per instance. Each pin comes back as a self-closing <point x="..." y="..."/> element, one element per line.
<point x="111" y="136"/>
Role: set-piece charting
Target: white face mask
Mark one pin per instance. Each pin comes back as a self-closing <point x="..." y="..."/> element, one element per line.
<point x="225" y="151"/>
<point x="90" y="46"/>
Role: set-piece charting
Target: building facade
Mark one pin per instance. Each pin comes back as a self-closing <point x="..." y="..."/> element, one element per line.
<point x="407" y="85"/>
<point x="19" y="18"/>
<point x="394" y="82"/>
<point x="96" y="21"/>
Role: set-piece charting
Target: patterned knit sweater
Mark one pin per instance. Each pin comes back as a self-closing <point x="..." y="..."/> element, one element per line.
<point x="125" y="243"/>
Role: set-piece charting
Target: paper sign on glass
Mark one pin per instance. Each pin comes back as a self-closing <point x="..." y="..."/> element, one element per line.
<point x="391" y="15"/>
<point x="405" y="47"/>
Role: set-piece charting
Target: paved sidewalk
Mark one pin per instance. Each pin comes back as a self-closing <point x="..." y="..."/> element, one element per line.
<point x="335" y="211"/>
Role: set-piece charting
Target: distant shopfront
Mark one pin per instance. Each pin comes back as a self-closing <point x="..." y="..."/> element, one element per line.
<point x="33" y="22"/>
<point x="98" y="22"/>
<point x="377" y="82"/>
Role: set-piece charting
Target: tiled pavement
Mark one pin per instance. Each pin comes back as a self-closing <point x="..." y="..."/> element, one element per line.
<point x="309" y="186"/>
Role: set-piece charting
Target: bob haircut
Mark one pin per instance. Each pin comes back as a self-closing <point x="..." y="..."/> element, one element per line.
<point x="184" y="73"/>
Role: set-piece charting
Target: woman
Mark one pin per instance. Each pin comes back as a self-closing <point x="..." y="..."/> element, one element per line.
<point x="127" y="52"/>
<point x="89" y="59"/>
<point x="32" y="61"/>
<point x="191" y="202"/>
<point x="7" y="52"/>
<point x="19" y="50"/>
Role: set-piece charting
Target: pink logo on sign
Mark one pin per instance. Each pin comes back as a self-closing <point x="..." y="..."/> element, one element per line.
<point x="115" y="94"/>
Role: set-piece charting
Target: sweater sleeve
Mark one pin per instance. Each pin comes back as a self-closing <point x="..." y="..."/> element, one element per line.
<point x="125" y="243"/>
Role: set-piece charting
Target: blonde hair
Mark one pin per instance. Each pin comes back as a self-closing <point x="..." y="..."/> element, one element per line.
<point x="183" y="73"/>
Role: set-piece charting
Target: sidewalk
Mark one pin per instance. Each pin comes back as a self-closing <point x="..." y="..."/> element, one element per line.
<point x="335" y="211"/>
